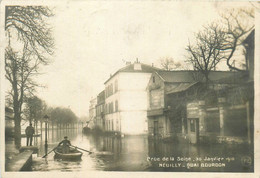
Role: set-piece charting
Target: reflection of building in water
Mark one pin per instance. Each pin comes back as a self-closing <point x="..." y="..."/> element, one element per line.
<point x="126" y="99"/>
<point x="128" y="153"/>
<point x="157" y="149"/>
<point x="113" y="144"/>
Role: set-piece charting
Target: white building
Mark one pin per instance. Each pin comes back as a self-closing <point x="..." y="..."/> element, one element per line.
<point x="126" y="99"/>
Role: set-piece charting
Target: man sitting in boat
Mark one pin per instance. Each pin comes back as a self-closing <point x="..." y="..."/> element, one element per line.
<point x="65" y="145"/>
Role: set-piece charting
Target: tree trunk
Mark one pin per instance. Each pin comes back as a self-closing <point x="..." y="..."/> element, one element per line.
<point x="17" y="131"/>
<point x="17" y="113"/>
<point x="36" y="126"/>
<point x="17" y="118"/>
<point x="207" y="80"/>
<point x="41" y="129"/>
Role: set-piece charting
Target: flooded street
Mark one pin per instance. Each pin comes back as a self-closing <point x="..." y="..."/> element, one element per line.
<point x="109" y="153"/>
<point x="138" y="153"/>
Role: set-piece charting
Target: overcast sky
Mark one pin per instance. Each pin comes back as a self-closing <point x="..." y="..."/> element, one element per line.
<point x="94" y="38"/>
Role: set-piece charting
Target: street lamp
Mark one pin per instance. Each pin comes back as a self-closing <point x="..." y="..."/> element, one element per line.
<point x="46" y="117"/>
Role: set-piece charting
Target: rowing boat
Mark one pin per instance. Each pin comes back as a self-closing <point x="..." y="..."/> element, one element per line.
<point x="74" y="154"/>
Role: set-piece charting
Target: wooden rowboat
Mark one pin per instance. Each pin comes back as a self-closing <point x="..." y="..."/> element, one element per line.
<point x="74" y="154"/>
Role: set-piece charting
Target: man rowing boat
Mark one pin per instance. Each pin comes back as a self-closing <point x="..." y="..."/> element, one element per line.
<point x="65" y="144"/>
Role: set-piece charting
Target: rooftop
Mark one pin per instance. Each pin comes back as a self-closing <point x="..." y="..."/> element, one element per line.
<point x="189" y="76"/>
<point x="250" y="37"/>
<point x="136" y="67"/>
<point x="181" y="87"/>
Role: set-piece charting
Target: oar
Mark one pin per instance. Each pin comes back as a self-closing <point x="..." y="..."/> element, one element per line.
<point x="82" y="149"/>
<point x="49" y="152"/>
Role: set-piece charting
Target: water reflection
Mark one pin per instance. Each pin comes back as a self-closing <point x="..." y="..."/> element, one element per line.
<point x="131" y="154"/>
<point x="187" y="154"/>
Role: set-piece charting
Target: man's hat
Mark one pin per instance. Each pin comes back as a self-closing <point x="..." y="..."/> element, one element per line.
<point x="65" y="137"/>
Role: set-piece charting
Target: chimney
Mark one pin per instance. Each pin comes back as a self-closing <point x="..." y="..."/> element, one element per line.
<point x="137" y="66"/>
<point x="137" y="60"/>
<point x="127" y="62"/>
<point x="152" y="64"/>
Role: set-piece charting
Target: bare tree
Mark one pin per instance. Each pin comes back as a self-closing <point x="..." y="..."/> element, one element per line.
<point x="20" y="72"/>
<point x="29" y="44"/>
<point x="219" y="41"/>
<point x="237" y="23"/>
<point x="204" y="54"/>
<point x="168" y="63"/>
<point x="27" y="24"/>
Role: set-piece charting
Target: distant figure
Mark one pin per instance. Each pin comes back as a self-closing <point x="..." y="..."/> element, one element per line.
<point x="29" y="131"/>
<point x="65" y="145"/>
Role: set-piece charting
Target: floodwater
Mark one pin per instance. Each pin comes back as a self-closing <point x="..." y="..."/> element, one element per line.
<point x="138" y="153"/>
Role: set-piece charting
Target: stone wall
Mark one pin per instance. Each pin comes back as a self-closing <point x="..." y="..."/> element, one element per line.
<point x="231" y="120"/>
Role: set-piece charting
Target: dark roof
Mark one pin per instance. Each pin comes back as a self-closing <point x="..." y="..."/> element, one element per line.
<point x="101" y="97"/>
<point x="250" y="37"/>
<point x="237" y="78"/>
<point x="181" y="87"/>
<point x="217" y="75"/>
<point x="136" y="68"/>
<point x="175" y="76"/>
<point x="144" y="68"/>
<point x="190" y="76"/>
<point x="101" y="93"/>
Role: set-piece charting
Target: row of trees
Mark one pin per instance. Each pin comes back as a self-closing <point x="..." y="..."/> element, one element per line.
<point x="35" y="109"/>
<point x="62" y="115"/>
<point x="216" y="42"/>
<point x="30" y="46"/>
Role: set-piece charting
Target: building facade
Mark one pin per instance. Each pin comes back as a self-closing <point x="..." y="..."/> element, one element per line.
<point x="92" y="112"/>
<point x="99" y="120"/>
<point x="231" y="118"/>
<point x="126" y="99"/>
<point x="168" y="95"/>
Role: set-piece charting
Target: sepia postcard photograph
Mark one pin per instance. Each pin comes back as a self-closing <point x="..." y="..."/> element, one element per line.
<point x="129" y="88"/>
